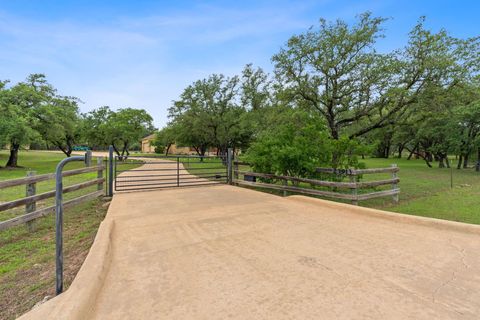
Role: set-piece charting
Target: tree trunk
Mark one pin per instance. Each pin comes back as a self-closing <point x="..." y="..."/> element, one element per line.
<point x="197" y="150"/>
<point x="70" y="143"/>
<point x="443" y="160"/>
<point x="465" y="160"/>
<point x="13" y="159"/>
<point x="424" y="157"/>
<point x="460" y="159"/>
<point x="410" y="155"/>
<point x="400" y="150"/>
<point x="441" y="164"/>
<point x="167" y="149"/>
<point x="333" y="128"/>
<point x="412" y="152"/>
<point x="387" y="151"/>
<point x="67" y="151"/>
<point x="115" y="149"/>
<point x="428" y="156"/>
<point x="203" y="150"/>
<point x="477" y="167"/>
<point x="124" y="150"/>
<point x="427" y="162"/>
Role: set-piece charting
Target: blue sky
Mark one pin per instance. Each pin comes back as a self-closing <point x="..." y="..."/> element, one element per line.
<point x="143" y="53"/>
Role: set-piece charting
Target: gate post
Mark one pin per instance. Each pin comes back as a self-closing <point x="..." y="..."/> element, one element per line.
<point x="229" y="165"/>
<point x="59" y="217"/>
<point x="110" y="171"/>
<point x="178" y="171"/>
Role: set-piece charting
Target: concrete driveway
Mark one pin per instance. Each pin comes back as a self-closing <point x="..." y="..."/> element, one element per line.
<point x="225" y="252"/>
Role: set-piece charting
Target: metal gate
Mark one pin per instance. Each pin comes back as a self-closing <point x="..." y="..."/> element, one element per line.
<point x="157" y="171"/>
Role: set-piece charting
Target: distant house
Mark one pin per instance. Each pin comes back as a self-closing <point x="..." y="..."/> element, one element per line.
<point x="146" y="142"/>
<point x="148" y="147"/>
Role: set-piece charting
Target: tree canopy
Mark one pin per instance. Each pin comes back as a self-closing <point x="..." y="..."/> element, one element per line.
<point x="332" y="96"/>
<point x="33" y="110"/>
<point x="422" y="97"/>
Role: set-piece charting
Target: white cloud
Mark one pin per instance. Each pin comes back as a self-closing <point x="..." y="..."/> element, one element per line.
<point x="143" y="61"/>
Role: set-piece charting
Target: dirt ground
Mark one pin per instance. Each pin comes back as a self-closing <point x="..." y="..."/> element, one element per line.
<point x="228" y="252"/>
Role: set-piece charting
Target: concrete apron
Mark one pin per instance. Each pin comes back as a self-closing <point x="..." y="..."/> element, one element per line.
<point x="228" y="252"/>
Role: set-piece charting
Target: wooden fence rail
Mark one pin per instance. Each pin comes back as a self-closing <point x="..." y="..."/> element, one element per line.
<point x="47" y="176"/>
<point x="31" y="197"/>
<point x="353" y="185"/>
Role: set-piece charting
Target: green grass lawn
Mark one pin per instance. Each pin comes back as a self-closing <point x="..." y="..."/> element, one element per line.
<point x="208" y="168"/>
<point x="27" y="259"/>
<point x="427" y="191"/>
<point x="27" y="264"/>
<point x="41" y="162"/>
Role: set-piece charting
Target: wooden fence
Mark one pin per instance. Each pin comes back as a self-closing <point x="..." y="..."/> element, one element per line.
<point x="353" y="184"/>
<point x="31" y="213"/>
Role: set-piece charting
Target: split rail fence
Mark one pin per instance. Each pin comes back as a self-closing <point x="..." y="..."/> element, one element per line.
<point x="354" y="185"/>
<point x="31" y="198"/>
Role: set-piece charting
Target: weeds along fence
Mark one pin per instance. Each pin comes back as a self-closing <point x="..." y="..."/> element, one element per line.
<point x="356" y="190"/>
<point x="31" y="198"/>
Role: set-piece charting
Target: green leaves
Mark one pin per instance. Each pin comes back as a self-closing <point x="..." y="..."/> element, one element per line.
<point x="121" y="128"/>
<point x="208" y="113"/>
<point x="335" y="70"/>
<point x="296" y="143"/>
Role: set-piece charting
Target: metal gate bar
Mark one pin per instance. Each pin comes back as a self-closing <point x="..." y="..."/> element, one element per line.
<point x="142" y="173"/>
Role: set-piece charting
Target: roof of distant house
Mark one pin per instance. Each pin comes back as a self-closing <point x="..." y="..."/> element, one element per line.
<point x="149" y="137"/>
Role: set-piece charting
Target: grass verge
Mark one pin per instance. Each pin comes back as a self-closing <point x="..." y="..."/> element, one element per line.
<point x="27" y="259"/>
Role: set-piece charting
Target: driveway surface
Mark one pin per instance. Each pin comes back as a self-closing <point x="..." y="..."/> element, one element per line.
<point x="224" y="252"/>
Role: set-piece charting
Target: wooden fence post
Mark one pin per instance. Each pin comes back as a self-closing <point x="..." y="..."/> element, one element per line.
<point x="30" y="190"/>
<point x="100" y="173"/>
<point x="230" y="166"/>
<point x="285" y="183"/>
<point x="394" y="184"/>
<point x="353" y="179"/>
<point x="235" y="169"/>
